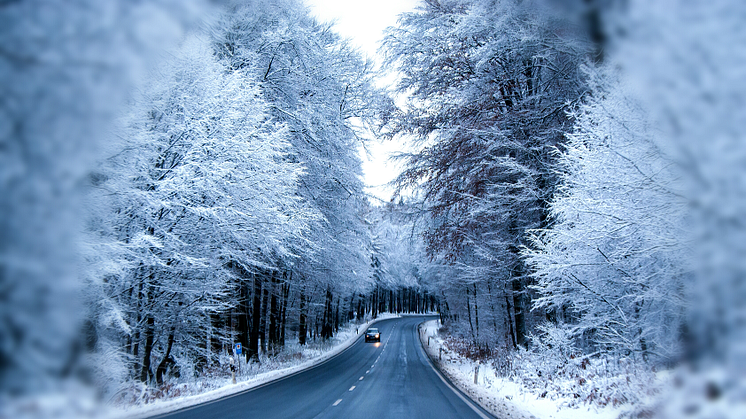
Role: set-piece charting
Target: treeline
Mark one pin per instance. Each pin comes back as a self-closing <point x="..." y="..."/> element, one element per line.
<point x="219" y="201"/>
<point x="231" y="207"/>
<point x="552" y="183"/>
<point x="491" y="86"/>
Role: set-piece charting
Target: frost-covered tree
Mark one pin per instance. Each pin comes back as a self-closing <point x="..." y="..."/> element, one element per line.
<point x="401" y="266"/>
<point x="489" y="85"/>
<point x="647" y="249"/>
<point x="318" y="86"/>
<point x="613" y="266"/>
<point x="65" y="69"/>
<point x="200" y="188"/>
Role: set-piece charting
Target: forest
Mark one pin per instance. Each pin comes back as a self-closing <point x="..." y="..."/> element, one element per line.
<point x="178" y="177"/>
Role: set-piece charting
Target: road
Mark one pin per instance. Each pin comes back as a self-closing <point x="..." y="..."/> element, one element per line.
<point x="390" y="379"/>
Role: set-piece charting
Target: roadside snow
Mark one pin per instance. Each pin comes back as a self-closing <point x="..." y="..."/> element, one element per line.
<point x="498" y="395"/>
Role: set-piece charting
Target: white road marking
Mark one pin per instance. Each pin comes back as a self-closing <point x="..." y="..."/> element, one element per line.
<point x="337" y="402"/>
<point x="361" y="378"/>
<point x="351" y="388"/>
<point x="367" y="372"/>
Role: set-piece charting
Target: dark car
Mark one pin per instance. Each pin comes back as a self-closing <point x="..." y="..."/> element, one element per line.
<point x="372" y="334"/>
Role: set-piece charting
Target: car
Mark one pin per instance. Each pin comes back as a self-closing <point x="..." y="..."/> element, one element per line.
<point x="372" y="334"/>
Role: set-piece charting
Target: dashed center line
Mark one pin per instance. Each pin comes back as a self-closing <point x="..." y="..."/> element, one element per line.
<point x="351" y="388"/>
<point x="337" y="402"/>
<point x="361" y="378"/>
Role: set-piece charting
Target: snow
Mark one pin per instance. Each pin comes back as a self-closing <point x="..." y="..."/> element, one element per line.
<point x="501" y="396"/>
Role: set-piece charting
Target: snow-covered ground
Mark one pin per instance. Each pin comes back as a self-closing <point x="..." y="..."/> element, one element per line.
<point x="588" y="393"/>
<point x="79" y="403"/>
<point x="499" y="395"/>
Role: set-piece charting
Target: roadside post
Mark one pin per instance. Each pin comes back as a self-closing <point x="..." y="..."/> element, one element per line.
<point x="236" y="355"/>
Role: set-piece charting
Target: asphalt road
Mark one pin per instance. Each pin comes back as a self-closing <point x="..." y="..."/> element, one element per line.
<point x="390" y="379"/>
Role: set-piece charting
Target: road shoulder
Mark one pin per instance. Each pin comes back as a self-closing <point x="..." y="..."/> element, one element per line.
<point x="493" y="402"/>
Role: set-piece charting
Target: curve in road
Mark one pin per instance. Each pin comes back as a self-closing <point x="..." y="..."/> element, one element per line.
<point x="388" y="379"/>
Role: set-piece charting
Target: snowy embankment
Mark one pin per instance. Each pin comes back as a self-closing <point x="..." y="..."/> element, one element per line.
<point x="501" y="396"/>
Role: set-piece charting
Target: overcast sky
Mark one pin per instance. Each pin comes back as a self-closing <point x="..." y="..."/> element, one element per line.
<point x="363" y="22"/>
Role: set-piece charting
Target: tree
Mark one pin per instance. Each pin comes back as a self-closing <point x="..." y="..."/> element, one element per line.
<point x="490" y="83"/>
<point x="201" y="193"/>
<point x="317" y="85"/>
<point x="640" y="251"/>
<point x="66" y="69"/>
<point x="614" y="263"/>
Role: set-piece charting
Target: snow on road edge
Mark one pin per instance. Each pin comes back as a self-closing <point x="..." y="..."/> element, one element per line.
<point x="499" y="396"/>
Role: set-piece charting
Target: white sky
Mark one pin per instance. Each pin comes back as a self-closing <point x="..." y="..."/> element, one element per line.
<point x="363" y="22"/>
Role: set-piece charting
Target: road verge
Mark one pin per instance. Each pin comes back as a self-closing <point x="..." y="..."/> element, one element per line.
<point x="432" y="344"/>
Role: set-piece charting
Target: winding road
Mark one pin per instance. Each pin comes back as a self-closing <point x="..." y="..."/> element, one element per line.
<point x="390" y="379"/>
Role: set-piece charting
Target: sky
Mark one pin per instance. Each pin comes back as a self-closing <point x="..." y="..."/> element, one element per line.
<point x="363" y="22"/>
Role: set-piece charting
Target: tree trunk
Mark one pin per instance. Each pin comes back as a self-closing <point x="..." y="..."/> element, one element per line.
<point x="446" y="314"/>
<point x="476" y="315"/>
<point x="149" y="335"/>
<point x="491" y="298"/>
<point x="253" y="352"/>
<point x="374" y="303"/>
<point x="166" y="358"/>
<point x="218" y="325"/>
<point x="468" y="313"/>
<point x="336" y="316"/>
<point x="244" y="314"/>
<point x="302" y="326"/>
<point x="351" y="309"/>
<point x="326" y="328"/>
<point x="274" y="315"/>
<point x="136" y="338"/>
<point x="263" y="320"/>
<point x="360" y="309"/>
<point x="381" y="299"/>
<point x="509" y="319"/>
<point x="520" y="319"/>
<point x="283" y="315"/>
